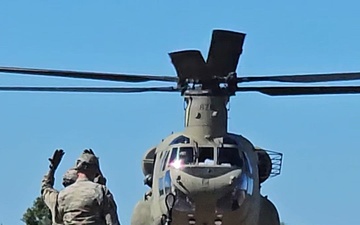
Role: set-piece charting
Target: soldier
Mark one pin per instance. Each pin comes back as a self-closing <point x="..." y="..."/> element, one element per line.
<point x="99" y="178"/>
<point x="49" y="193"/>
<point x="86" y="202"/>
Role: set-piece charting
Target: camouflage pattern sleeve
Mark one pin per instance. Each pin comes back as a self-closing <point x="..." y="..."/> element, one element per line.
<point x="109" y="208"/>
<point x="49" y="194"/>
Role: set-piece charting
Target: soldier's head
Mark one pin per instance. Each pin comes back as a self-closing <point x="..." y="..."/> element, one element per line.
<point x="69" y="177"/>
<point x="87" y="164"/>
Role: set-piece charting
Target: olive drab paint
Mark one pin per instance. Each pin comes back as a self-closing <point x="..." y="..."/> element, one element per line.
<point x="215" y="190"/>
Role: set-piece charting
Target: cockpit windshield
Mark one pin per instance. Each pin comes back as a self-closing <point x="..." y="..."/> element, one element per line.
<point x="187" y="155"/>
<point x="206" y="156"/>
<point x="229" y="157"/>
<point x="181" y="156"/>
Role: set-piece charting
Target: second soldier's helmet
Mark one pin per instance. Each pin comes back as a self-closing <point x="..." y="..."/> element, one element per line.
<point x="69" y="177"/>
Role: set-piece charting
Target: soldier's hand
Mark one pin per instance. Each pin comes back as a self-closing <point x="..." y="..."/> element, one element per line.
<point x="56" y="159"/>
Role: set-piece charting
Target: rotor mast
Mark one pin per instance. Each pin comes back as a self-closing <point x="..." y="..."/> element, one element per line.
<point x="206" y="114"/>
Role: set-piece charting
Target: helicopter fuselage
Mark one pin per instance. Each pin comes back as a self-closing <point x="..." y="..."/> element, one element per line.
<point x="213" y="174"/>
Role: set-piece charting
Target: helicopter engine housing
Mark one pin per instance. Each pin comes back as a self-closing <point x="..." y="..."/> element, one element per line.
<point x="264" y="164"/>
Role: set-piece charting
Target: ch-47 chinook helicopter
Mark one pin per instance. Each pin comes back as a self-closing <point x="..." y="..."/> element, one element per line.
<point x="204" y="174"/>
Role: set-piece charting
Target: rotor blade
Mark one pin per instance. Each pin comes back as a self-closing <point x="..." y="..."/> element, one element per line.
<point x="283" y="91"/>
<point x="304" y="78"/>
<point x="88" y="75"/>
<point x="189" y="64"/>
<point x="92" y="89"/>
<point x="224" y="53"/>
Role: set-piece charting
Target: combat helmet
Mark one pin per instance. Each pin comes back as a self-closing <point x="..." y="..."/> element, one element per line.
<point x="69" y="177"/>
<point x="87" y="162"/>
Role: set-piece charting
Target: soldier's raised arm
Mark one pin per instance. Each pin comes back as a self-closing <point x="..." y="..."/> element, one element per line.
<point x="109" y="208"/>
<point x="47" y="182"/>
<point x="48" y="193"/>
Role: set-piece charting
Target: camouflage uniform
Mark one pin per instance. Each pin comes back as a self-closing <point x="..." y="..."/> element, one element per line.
<point x="86" y="202"/>
<point x="49" y="194"/>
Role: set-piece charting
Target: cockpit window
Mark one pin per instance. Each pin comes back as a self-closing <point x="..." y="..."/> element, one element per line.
<point x="181" y="156"/>
<point x="229" y="157"/>
<point x="173" y="155"/>
<point x="186" y="154"/>
<point x="180" y="140"/>
<point x="163" y="164"/>
<point x="206" y="155"/>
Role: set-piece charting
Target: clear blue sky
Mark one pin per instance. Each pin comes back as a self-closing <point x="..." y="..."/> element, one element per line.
<point x="319" y="135"/>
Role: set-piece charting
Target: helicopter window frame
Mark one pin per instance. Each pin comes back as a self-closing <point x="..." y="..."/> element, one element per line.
<point x="181" y="139"/>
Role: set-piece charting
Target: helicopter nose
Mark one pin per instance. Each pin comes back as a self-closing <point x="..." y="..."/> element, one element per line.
<point x="194" y="181"/>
